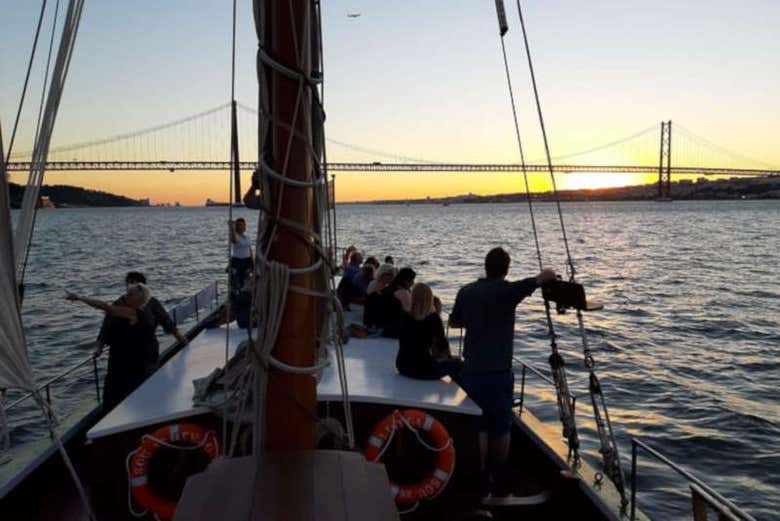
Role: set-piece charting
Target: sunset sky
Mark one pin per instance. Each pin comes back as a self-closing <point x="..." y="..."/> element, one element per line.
<point x="422" y="79"/>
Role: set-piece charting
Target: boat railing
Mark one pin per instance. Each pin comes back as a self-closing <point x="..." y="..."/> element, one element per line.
<point x="704" y="497"/>
<point x="525" y="368"/>
<point x="45" y="388"/>
<point x="524" y="365"/>
<point x="204" y="300"/>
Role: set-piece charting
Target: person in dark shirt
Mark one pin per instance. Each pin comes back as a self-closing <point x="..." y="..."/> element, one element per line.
<point x="360" y="282"/>
<point x="156" y="316"/>
<point x="397" y="302"/>
<point x="372" y="262"/>
<point x="252" y="198"/>
<point x="422" y="338"/>
<point x="346" y="290"/>
<point x="486" y="309"/>
<point x="131" y="348"/>
<point x="373" y="308"/>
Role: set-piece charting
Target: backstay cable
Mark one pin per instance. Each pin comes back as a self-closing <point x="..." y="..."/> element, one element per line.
<point x="231" y="230"/>
<point x="564" y="399"/>
<point x="609" y="448"/>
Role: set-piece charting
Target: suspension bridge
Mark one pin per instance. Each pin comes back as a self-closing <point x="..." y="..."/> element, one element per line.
<point x="200" y="142"/>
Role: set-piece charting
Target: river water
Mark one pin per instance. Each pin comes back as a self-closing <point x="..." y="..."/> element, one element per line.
<point x="687" y="347"/>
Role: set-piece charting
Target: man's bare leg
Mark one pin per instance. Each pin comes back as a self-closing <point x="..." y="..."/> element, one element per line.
<point x="483" y="451"/>
<point x="500" y="450"/>
<point x="498" y="455"/>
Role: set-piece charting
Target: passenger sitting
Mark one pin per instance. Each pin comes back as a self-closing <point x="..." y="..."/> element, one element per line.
<point x="397" y="301"/>
<point x="345" y="289"/>
<point x="373" y="262"/>
<point x="389" y="260"/>
<point x="360" y="282"/>
<point x="373" y="314"/>
<point x="382" y="278"/>
<point x="355" y="261"/>
<point x="422" y="335"/>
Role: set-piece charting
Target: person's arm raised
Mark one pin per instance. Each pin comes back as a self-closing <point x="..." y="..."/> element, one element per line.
<point x="232" y="228"/>
<point x="117" y="311"/>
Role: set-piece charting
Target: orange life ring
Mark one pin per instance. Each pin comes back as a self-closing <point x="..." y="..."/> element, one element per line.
<point x="189" y="433"/>
<point x="433" y="483"/>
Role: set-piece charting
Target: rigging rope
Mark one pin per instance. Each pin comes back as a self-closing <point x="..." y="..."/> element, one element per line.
<point x="564" y="398"/>
<point x="23" y="232"/>
<point x="307" y="107"/>
<point x="37" y="132"/>
<point x="609" y="448"/>
<point x="231" y="224"/>
<point x="26" y="80"/>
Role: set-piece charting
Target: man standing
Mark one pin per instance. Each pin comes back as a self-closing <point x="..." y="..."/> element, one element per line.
<point x="486" y="309"/>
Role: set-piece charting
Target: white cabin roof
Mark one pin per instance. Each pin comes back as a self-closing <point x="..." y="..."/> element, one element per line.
<point x="371" y="377"/>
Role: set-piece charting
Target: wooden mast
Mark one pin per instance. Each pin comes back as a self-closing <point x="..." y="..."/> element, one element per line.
<point x="291" y="398"/>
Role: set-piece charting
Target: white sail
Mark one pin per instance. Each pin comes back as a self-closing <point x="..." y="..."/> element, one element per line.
<point x="14" y="366"/>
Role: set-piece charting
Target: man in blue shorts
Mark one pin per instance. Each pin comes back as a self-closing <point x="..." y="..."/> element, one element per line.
<point x="486" y="309"/>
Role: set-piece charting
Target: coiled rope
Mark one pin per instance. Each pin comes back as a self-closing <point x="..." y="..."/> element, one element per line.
<point x="272" y="279"/>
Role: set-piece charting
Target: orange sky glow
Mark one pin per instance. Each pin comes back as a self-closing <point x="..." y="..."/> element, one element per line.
<point x="193" y="188"/>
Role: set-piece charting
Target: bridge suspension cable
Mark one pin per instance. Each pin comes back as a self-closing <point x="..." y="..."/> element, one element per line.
<point x="198" y="142"/>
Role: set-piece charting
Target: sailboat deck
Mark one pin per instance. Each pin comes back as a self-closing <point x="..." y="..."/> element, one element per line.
<point x="167" y="394"/>
<point x="371" y="377"/>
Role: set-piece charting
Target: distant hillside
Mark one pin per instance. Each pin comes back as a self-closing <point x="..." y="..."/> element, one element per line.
<point x="65" y="195"/>
<point x="703" y="188"/>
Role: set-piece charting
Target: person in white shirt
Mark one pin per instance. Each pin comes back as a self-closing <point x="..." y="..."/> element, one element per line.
<point x="241" y="257"/>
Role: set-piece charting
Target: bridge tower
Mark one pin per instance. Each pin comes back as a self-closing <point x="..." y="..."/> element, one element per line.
<point x="665" y="162"/>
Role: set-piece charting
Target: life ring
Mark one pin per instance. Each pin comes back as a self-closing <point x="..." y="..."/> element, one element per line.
<point x="191" y="435"/>
<point x="347" y="254"/>
<point x="433" y="483"/>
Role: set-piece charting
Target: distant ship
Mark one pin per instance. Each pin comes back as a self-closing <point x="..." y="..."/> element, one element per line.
<point x="210" y="202"/>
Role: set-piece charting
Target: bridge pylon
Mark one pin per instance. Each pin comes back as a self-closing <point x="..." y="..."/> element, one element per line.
<point x="665" y="162"/>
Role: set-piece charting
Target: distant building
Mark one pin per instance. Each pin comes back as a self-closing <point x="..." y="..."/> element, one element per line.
<point x="45" y="202"/>
<point x="143" y="202"/>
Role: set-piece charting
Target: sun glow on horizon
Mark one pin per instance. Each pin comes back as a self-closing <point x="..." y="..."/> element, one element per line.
<point x="596" y="180"/>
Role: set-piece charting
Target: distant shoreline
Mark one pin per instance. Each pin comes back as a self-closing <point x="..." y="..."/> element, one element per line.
<point x="733" y="189"/>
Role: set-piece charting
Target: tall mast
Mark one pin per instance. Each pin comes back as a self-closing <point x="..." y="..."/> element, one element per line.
<point x="284" y="30"/>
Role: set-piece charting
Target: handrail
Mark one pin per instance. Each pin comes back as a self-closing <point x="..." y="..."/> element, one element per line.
<point x="533" y="369"/>
<point x="56" y="378"/>
<point x="47" y="385"/>
<point x="529" y="366"/>
<point x="637" y="443"/>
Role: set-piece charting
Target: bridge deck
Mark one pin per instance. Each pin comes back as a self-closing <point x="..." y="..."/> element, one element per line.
<point x="174" y="165"/>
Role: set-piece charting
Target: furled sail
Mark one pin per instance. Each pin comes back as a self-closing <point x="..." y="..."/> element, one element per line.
<point x="14" y="366"/>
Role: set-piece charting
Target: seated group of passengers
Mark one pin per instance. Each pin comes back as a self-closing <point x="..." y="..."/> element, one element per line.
<point x="395" y="307"/>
